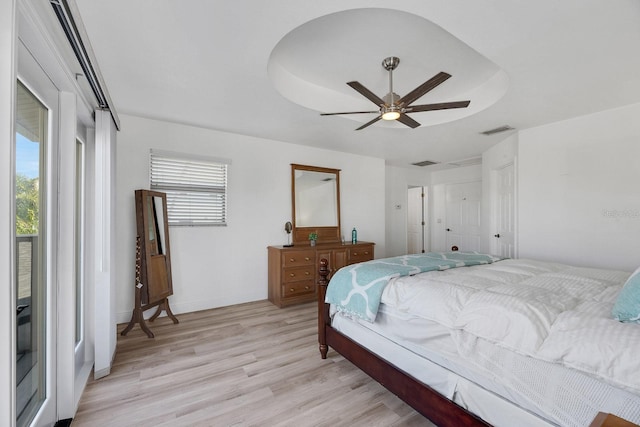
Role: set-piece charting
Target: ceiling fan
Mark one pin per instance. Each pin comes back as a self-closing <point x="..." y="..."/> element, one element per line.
<point x="394" y="107"/>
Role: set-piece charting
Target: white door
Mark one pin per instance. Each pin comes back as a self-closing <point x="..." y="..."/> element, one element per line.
<point x="462" y="222"/>
<point x="504" y="212"/>
<point x="36" y="124"/>
<point x="453" y="216"/>
<point x="416" y="212"/>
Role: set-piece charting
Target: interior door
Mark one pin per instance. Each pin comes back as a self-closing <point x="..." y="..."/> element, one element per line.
<point x="453" y="216"/>
<point x="416" y="211"/>
<point x="463" y="214"/>
<point x="504" y="236"/>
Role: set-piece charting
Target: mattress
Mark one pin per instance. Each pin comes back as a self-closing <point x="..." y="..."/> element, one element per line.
<point x="500" y="385"/>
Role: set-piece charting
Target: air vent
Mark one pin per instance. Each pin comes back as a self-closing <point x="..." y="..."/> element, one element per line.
<point x="497" y="130"/>
<point x="425" y="163"/>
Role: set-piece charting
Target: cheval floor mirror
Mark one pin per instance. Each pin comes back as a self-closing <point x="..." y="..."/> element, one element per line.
<point x="153" y="284"/>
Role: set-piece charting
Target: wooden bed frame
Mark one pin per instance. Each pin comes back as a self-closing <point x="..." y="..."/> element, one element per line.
<point x="440" y="410"/>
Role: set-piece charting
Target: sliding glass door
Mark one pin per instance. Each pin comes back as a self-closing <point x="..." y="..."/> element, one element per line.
<point x="51" y="346"/>
<point x="30" y="254"/>
<point x="36" y="123"/>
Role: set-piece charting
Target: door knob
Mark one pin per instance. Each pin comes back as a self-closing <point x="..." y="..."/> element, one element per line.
<point x="497" y="235"/>
<point x="448" y="229"/>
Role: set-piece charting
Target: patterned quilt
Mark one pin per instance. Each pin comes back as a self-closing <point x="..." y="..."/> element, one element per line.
<point x="356" y="289"/>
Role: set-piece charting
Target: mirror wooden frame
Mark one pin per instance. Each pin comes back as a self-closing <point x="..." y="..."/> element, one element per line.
<point x="153" y="284"/>
<point x="151" y="208"/>
<point x="326" y="234"/>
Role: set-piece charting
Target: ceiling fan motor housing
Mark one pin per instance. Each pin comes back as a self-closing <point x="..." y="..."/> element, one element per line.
<point x="390" y="98"/>
<point x="390" y="63"/>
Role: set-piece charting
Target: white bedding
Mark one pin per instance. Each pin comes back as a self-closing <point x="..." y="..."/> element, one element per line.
<point x="504" y="388"/>
<point x="514" y="328"/>
<point x="551" y="312"/>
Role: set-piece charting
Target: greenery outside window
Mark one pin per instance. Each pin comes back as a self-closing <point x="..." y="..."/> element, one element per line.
<point x="196" y="187"/>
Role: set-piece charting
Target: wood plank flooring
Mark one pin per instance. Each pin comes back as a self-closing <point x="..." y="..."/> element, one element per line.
<point x="245" y="365"/>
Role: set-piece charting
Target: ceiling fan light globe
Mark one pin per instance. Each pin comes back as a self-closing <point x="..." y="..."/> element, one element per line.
<point x="390" y="115"/>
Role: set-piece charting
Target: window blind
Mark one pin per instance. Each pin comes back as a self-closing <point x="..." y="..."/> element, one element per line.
<point x="196" y="187"/>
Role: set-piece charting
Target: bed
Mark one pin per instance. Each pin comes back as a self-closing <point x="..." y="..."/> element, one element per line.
<point x="470" y="339"/>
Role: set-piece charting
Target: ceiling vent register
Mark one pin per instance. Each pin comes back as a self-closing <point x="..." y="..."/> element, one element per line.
<point x="497" y="130"/>
<point x="425" y="163"/>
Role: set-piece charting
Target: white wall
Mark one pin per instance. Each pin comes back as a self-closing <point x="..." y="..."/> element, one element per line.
<point x="220" y="266"/>
<point x="576" y="201"/>
<point x="579" y="200"/>
<point x="398" y="181"/>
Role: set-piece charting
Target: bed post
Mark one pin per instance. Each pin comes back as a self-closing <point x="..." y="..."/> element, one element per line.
<point x="323" y="309"/>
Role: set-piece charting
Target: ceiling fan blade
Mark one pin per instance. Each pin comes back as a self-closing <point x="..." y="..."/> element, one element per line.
<point x="366" y="93"/>
<point x="406" y="120"/>
<point x="425" y="87"/>
<point x="369" y="123"/>
<point x="440" y="106"/>
<point x="350" y="112"/>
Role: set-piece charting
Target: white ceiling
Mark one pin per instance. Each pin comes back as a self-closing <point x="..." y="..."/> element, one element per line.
<point x="207" y="63"/>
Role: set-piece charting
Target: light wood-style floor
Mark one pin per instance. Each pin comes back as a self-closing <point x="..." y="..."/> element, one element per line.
<point x="246" y="365"/>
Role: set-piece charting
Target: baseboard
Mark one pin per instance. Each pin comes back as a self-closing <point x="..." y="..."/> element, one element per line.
<point x="101" y="373"/>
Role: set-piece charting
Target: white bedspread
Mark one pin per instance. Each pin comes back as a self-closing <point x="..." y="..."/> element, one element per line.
<point x="551" y="312"/>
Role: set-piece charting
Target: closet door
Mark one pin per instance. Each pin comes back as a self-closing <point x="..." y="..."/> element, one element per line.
<point x="463" y="215"/>
<point x="416" y="221"/>
<point x="504" y="212"/>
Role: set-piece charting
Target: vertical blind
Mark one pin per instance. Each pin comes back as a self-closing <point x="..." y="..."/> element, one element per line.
<point x="196" y="187"/>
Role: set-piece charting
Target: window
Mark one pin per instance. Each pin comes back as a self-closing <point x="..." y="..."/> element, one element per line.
<point x="196" y="187"/>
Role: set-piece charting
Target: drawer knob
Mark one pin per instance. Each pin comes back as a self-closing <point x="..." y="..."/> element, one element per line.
<point x="292" y="290"/>
<point x="306" y="288"/>
<point x="355" y="254"/>
<point x="307" y="258"/>
<point x="307" y="273"/>
<point x="292" y="274"/>
<point x="366" y="252"/>
<point x="292" y="260"/>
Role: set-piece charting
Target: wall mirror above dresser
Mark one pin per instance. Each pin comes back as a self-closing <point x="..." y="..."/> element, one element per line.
<point x="315" y="201"/>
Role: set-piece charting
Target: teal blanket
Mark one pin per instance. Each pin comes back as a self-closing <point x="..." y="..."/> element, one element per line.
<point x="356" y="289"/>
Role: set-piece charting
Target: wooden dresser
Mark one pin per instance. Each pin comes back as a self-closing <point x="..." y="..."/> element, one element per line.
<point x="293" y="271"/>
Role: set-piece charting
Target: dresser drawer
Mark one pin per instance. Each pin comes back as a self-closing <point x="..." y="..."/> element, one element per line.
<point x="298" y="288"/>
<point x="293" y="271"/>
<point x="294" y="258"/>
<point x="295" y="274"/>
<point x="360" y="254"/>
